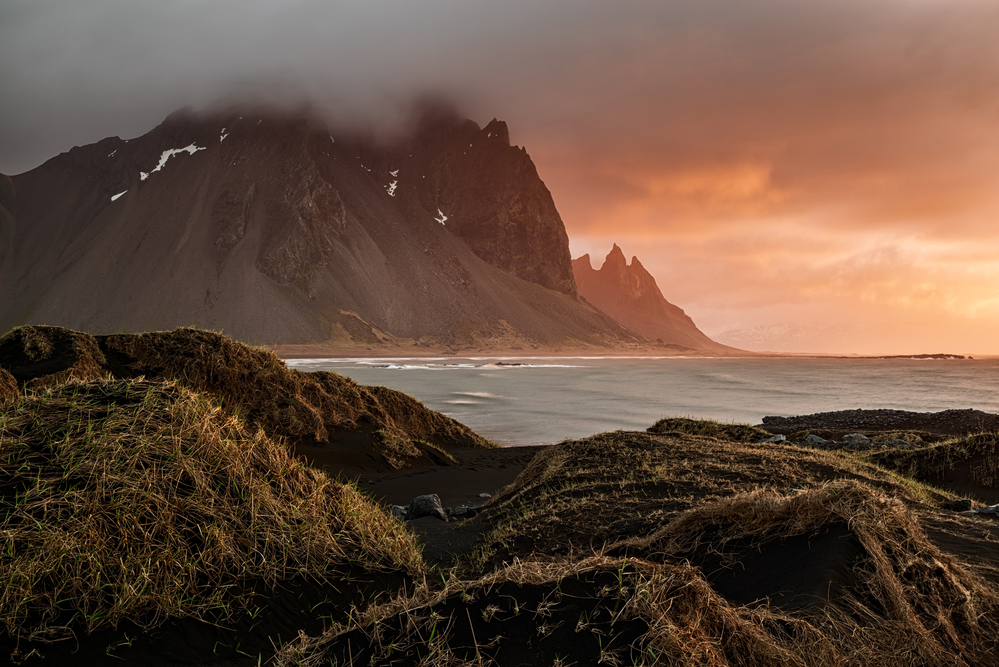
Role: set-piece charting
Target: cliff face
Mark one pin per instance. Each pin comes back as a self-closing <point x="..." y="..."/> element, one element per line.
<point x="273" y="230"/>
<point x="485" y="191"/>
<point x="630" y="295"/>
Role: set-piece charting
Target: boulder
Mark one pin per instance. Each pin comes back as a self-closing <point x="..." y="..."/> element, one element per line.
<point x="991" y="509"/>
<point x="774" y="439"/>
<point x="816" y="441"/>
<point x="428" y="505"/>
<point x="857" y="440"/>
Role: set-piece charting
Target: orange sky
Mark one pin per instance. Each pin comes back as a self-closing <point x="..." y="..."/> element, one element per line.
<point x="770" y="161"/>
<point x="820" y="173"/>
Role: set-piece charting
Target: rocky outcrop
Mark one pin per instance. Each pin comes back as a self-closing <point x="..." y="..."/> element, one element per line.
<point x="310" y="218"/>
<point x="946" y="422"/>
<point x="231" y="213"/>
<point x="630" y="295"/>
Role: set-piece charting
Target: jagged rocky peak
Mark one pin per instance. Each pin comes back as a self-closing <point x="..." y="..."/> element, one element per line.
<point x="629" y="294"/>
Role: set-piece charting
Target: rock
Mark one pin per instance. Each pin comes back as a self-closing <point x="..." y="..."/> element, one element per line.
<point x="858" y="440"/>
<point x="399" y="511"/>
<point x="465" y="511"/>
<point x="485" y="495"/>
<point x="816" y="441"/>
<point x="991" y="509"/>
<point x="428" y="505"/>
<point x="959" y="505"/>
<point x="776" y="438"/>
<point x="898" y="443"/>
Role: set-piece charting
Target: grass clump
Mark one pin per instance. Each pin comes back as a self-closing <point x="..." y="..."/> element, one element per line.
<point x="709" y="429"/>
<point x="901" y="602"/>
<point x="142" y="501"/>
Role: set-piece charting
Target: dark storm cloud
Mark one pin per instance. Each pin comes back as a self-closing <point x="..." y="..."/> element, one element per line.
<point x="74" y="71"/>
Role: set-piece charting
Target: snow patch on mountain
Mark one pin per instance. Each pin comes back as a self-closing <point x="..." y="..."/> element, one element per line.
<point x="166" y="155"/>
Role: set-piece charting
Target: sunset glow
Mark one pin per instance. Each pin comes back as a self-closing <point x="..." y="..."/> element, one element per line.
<point x="769" y="162"/>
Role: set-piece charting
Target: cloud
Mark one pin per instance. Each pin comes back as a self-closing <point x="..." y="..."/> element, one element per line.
<point x="767" y="160"/>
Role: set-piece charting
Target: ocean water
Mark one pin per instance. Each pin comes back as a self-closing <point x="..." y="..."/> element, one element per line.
<point x="528" y="400"/>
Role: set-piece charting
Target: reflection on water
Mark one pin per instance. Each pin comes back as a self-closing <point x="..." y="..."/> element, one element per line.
<point x="530" y="400"/>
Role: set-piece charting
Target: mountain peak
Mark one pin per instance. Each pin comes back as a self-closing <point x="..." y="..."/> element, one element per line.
<point x="615" y="260"/>
<point x="275" y="229"/>
<point x="497" y="130"/>
<point x="630" y="295"/>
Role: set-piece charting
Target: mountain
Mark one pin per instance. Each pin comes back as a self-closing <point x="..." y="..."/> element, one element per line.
<point x="267" y="226"/>
<point x="629" y="294"/>
<point x="796" y="338"/>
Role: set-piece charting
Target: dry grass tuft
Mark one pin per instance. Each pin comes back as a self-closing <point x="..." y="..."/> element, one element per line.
<point x="709" y="429"/>
<point x="250" y="381"/>
<point x="8" y="387"/>
<point x="40" y="356"/>
<point x="144" y="500"/>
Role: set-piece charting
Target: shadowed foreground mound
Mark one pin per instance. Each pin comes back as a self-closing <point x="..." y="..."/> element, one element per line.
<point x="319" y="407"/>
<point x="579" y="495"/>
<point x="642" y="549"/>
<point x="900" y="602"/>
<point x="128" y="503"/>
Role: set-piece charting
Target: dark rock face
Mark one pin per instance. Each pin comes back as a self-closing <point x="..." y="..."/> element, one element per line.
<point x="7" y="199"/>
<point x="312" y="218"/>
<point x="231" y="213"/>
<point x="630" y="295"/>
<point x="269" y="227"/>
<point x="485" y="191"/>
<point x="495" y="201"/>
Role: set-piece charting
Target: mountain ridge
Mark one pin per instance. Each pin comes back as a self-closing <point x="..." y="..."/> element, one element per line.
<point x="272" y="229"/>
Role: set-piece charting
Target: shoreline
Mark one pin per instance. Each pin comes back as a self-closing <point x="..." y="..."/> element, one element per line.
<point x="321" y="351"/>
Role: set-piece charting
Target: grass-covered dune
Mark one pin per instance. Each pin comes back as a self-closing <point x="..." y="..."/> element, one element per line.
<point x="129" y="505"/>
<point x="582" y="494"/>
<point x="968" y="464"/>
<point x="672" y="548"/>
<point x="305" y="408"/>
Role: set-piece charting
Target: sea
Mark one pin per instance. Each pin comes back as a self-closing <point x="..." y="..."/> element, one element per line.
<point x="535" y="400"/>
